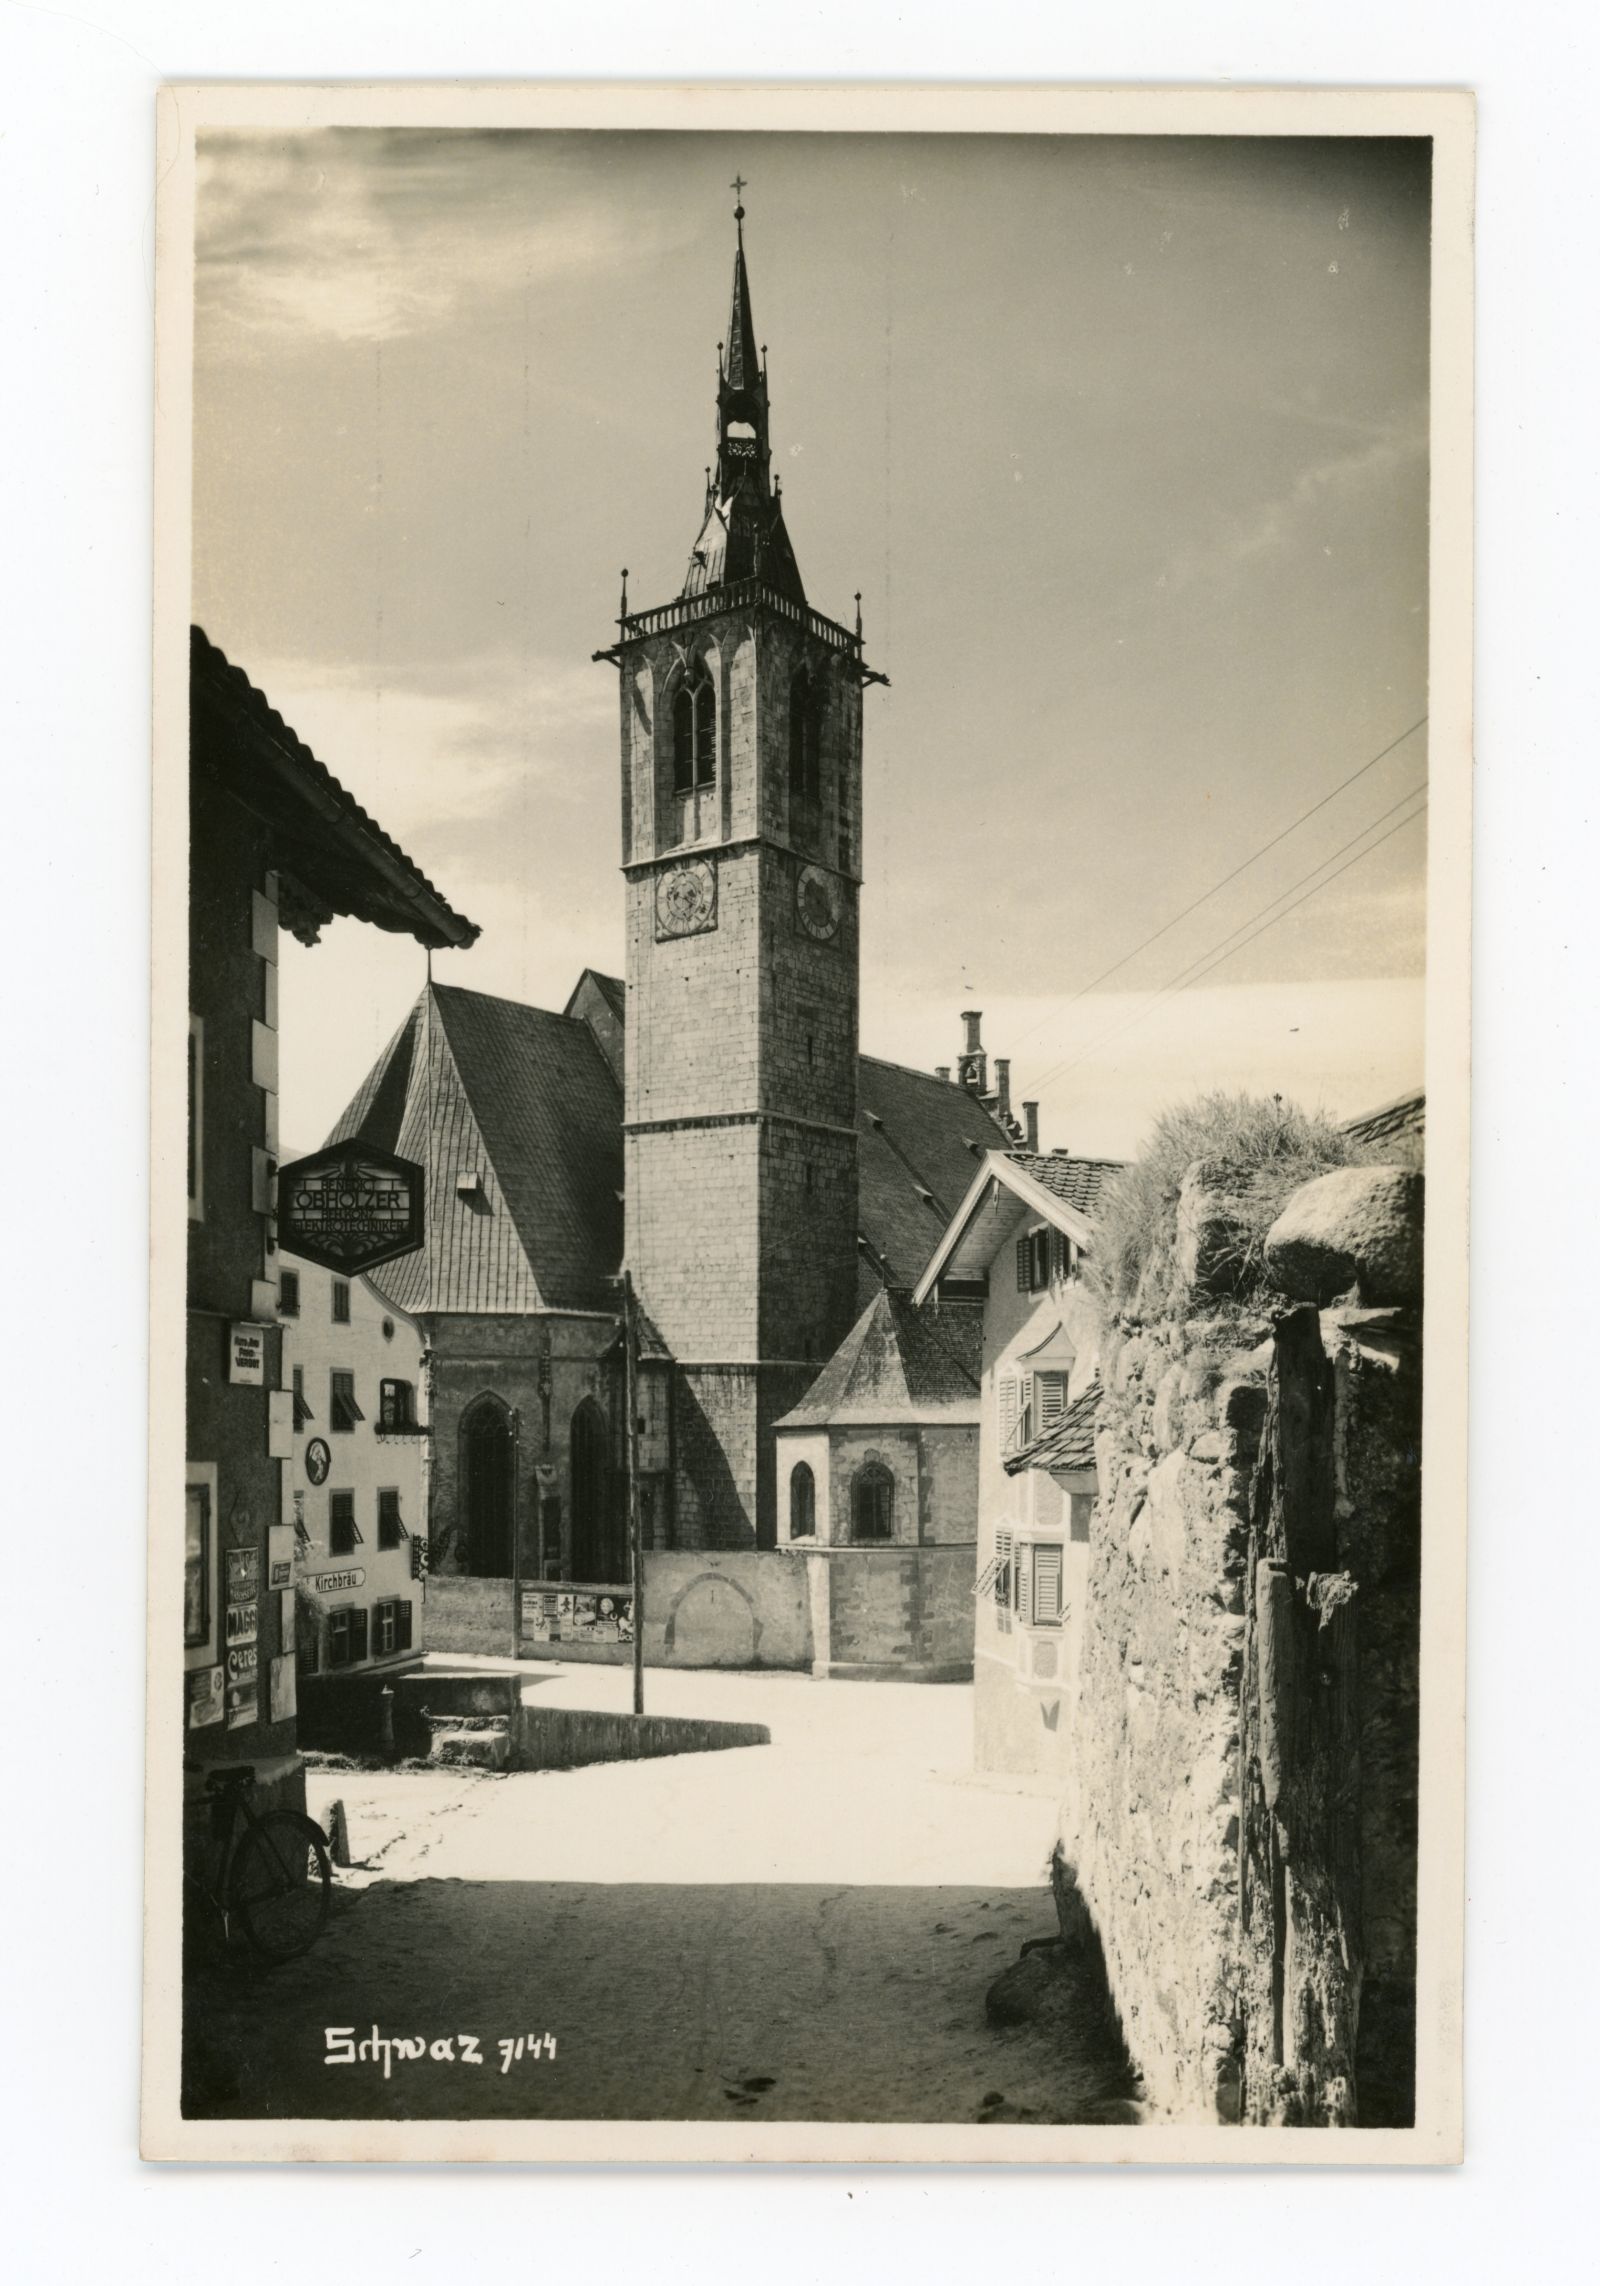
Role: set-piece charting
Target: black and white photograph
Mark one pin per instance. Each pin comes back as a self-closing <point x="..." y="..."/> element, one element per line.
<point x="813" y="772"/>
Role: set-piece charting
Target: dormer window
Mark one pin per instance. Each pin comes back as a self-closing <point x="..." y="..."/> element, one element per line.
<point x="694" y="732"/>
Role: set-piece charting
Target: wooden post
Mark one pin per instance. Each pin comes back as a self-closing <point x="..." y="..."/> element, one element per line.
<point x="630" y="1363"/>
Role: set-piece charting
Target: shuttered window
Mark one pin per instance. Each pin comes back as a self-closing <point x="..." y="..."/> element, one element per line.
<point x="343" y="1411"/>
<point x="1006" y="1389"/>
<point x="347" y="1635"/>
<point x="302" y="1411"/>
<point x="1047" y="1584"/>
<point x="390" y="1529"/>
<point x="1024" y="1267"/>
<point x="1049" y="1400"/>
<point x="344" y="1534"/>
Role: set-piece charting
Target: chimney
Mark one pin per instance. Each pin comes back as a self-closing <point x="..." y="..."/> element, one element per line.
<point x="1030" y="1123"/>
<point x="973" y="1020"/>
<point x="941" y="1071"/>
<point x="1002" y="1087"/>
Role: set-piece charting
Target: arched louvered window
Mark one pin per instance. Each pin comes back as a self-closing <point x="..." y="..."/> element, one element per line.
<point x="802" y="1502"/>
<point x="694" y="731"/>
<point x="805" y="740"/>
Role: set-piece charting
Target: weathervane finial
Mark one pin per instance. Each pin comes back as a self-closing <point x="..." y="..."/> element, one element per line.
<point x="737" y="186"/>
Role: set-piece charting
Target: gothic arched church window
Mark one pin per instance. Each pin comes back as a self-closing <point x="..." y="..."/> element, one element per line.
<point x="802" y="1502"/>
<point x="694" y="731"/>
<point x="872" y="1503"/>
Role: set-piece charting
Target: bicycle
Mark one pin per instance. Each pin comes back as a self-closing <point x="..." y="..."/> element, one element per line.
<point x="273" y="1874"/>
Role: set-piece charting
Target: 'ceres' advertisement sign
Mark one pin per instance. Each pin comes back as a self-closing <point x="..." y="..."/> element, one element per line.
<point x="350" y="1207"/>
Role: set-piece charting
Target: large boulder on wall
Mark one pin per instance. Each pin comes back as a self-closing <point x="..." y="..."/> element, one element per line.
<point x="1357" y="1227"/>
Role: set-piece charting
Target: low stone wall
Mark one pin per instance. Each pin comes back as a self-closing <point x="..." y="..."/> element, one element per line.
<point x="471" y="1615"/>
<point x="565" y="1738"/>
<point x="1247" y="1767"/>
<point x="740" y="1608"/>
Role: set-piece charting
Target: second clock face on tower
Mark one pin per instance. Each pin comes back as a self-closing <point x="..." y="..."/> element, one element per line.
<point x="818" y="906"/>
<point x="686" y="899"/>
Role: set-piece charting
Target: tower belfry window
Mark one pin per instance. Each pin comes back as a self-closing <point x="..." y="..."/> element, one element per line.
<point x="694" y="732"/>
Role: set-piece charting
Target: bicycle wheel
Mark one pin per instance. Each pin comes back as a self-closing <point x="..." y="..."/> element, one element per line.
<point x="279" y="1884"/>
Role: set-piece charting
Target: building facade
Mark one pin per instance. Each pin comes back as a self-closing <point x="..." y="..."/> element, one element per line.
<point x="1014" y="1250"/>
<point x="353" y="1366"/>
<point x="275" y="842"/>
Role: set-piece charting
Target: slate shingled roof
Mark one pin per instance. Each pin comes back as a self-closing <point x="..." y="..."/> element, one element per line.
<point x="529" y="1099"/>
<point x="891" y="1366"/>
<point x="922" y="1141"/>
<point x="525" y="1101"/>
<point x="1069" y="1445"/>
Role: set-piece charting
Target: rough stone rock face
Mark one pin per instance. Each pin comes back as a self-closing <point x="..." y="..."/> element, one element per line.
<point x="1248" y="1711"/>
<point x="1210" y="1229"/>
<point x="1357" y="1227"/>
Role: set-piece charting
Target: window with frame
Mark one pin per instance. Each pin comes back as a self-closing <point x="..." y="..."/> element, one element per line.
<point x="1049" y="1400"/>
<point x="347" y="1635"/>
<point x="343" y="1411"/>
<point x="694" y="731"/>
<point x="1033" y="1260"/>
<point x="397" y="1405"/>
<point x="802" y="1502"/>
<point x="197" y="1583"/>
<point x="1006" y="1409"/>
<point x="302" y="1410"/>
<point x="1002" y="1583"/>
<point x="391" y="1626"/>
<point x="391" y="1531"/>
<point x="288" y="1293"/>
<point x="344" y="1533"/>
<point x="872" y="1503"/>
<point x="341" y="1301"/>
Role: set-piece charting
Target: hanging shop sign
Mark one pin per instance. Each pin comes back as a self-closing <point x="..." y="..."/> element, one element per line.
<point x="350" y="1207"/>
<point x="280" y="1555"/>
<point x="247" y="1354"/>
<point x="334" y="1583"/>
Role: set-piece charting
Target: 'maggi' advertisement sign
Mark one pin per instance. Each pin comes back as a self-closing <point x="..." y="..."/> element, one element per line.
<point x="350" y="1207"/>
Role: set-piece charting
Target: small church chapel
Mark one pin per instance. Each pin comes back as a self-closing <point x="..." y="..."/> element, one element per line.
<point x="708" y="1121"/>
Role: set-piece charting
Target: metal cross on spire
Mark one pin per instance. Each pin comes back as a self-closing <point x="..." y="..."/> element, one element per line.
<point x="738" y="187"/>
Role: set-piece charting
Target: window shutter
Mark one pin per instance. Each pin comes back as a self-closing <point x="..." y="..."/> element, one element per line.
<point x="1002" y="1569"/>
<point x="1052" y="1398"/>
<point x="1023" y="1265"/>
<point x="1008" y="1410"/>
<point x="358" y="1633"/>
<point x="1058" y="1254"/>
<point x="1024" y="1597"/>
<point x="1046" y="1585"/>
<point x="402" y="1626"/>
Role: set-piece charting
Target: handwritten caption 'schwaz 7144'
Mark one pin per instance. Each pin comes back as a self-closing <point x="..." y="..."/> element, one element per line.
<point x="388" y="2050"/>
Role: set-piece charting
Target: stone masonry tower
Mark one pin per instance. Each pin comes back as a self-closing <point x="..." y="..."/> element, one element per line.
<point x="741" y="846"/>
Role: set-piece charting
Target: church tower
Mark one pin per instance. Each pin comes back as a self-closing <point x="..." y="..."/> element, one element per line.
<point x="741" y="834"/>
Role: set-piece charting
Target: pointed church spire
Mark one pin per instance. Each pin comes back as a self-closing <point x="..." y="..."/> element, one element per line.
<point x="742" y="362"/>
<point x="742" y="535"/>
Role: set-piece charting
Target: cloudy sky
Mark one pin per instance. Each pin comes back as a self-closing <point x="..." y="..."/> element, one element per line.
<point x="1123" y="441"/>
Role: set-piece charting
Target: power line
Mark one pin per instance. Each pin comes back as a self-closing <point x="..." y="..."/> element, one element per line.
<point x="1243" y="867"/>
<point x="1265" y="918"/>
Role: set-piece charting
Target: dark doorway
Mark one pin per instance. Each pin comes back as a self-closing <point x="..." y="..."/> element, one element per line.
<point x="487" y="1473"/>
<point x="597" y="1554"/>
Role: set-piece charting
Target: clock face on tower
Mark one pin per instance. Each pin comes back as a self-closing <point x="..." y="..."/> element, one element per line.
<point x="686" y="899"/>
<point x="817" y="903"/>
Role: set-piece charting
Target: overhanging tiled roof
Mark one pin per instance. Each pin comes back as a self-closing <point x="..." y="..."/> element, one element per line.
<point x="1405" y="1117"/>
<point x="1077" y="1182"/>
<point x="335" y="857"/>
<point x="1069" y="1445"/>
<point x="891" y="1366"/>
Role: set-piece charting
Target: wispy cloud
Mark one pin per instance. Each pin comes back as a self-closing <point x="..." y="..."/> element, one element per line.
<point x="366" y="234"/>
<point x="1276" y="526"/>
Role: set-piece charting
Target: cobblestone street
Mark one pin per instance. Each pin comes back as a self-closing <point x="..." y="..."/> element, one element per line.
<point x="802" y="1931"/>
